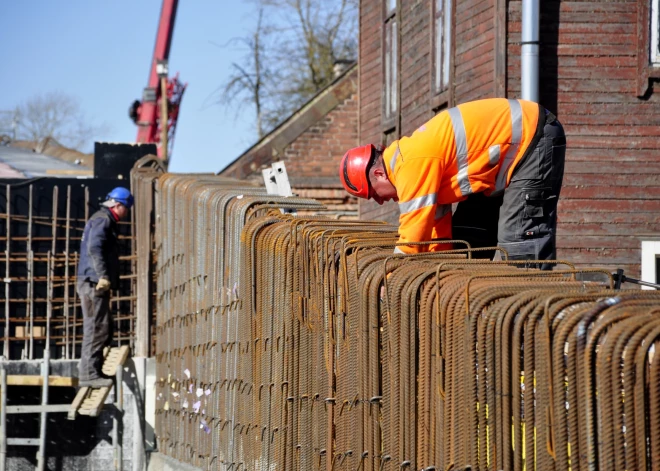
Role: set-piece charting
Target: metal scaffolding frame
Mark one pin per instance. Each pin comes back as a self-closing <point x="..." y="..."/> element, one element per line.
<point x="41" y="228"/>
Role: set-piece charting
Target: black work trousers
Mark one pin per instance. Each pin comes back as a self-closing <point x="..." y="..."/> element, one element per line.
<point x="523" y="219"/>
<point x="97" y="329"/>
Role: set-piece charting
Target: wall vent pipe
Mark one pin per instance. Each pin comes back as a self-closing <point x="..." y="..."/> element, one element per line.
<point x="529" y="74"/>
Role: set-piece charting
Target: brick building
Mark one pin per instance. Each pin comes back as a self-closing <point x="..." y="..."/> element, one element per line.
<point x="311" y="143"/>
<point x="597" y="71"/>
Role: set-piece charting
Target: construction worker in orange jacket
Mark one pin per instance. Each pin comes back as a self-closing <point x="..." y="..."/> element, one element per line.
<point x="501" y="160"/>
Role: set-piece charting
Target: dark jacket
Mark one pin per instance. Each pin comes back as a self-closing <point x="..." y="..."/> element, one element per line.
<point x="99" y="252"/>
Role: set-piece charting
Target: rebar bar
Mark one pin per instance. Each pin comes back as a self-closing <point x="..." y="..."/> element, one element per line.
<point x="302" y="342"/>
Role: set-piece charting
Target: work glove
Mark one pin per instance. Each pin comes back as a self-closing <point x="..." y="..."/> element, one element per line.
<point x="103" y="285"/>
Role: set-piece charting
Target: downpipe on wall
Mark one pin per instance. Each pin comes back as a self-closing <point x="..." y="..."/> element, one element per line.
<point x="529" y="75"/>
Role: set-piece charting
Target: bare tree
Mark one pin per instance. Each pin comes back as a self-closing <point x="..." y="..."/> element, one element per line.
<point x="290" y="56"/>
<point x="317" y="34"/>
<point x="59" y="116"/>
<point x="245" y="85"/>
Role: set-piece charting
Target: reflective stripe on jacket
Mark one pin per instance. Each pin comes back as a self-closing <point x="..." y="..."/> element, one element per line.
<point x="471" y="148"/>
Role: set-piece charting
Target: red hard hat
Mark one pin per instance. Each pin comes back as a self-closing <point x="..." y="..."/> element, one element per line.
<point x="353" y="170"/>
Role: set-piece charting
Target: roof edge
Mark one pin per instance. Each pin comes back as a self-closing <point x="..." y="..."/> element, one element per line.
<point x="296" y="114"/>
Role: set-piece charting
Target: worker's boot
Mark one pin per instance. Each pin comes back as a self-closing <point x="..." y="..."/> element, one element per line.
<point x="96" y="382"/>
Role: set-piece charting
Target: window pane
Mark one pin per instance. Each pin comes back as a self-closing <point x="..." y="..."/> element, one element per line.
<point x="390" y="68"/>
<point x="654" y="53"/>
<point x="388" y="77"/>
<point x="394" y="67"/>
<point x="447" y="43"/>
<point x="391" y="5"/>
<point x="441" y="45"/>
<point x="438" y="54"/>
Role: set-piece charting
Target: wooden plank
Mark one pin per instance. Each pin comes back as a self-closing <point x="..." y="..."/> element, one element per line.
<point x="602" y="257"/>
<point x="563" y="28"/>
<point x="586" y="217"/>
<point x="77" y="401"/>
<point x="616" y="179"/>
<point x="612" y="9"/>
<point x="589" y="50"/>
<point x="614" y="241"/>
<point x="585" y="12"/>
<point x="35" y="380"/>
<point x="596" y="97"/>
<point x="629" y="160"/>
<point x="648" y="117"/>
<point x="37" y="331"/>
<point x="628" y="38"/>
<point x="633" y="270"/>
<point x="571" y="61"/>
<point x="93" y="403"/>
<point x="608" y="110"/>
<point x="81" y="172"/>
<point x="608" y="192"/>
<point x="592" y="73"/>
<point x="604" y="83"/>
<point x="649" y="168"/>
<point x="578" y="228"/>
<point x="589" y="205"/>
<point x="631" y="133"/>
<point x="614" y="142"/>
<point x="115" y="358"/>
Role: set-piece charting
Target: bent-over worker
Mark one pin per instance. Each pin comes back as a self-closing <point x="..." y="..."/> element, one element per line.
<point x="98" y="271"/>
<point x="501" y="160"/>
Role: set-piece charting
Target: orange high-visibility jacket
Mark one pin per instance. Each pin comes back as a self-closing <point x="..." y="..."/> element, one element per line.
<point x="471" y="148"/>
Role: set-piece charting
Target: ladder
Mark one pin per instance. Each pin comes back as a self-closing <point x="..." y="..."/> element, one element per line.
<point x="88" y="401"/>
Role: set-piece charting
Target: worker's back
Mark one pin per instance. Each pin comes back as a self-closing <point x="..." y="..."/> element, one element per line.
<point x="99" y="254"/>
<point x="471" y="148"/>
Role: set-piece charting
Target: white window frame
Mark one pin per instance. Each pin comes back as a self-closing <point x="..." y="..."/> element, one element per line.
<point x="654" y="43"/>
<point x="650" y="256"/>
<point x="442" y="44"/>
<point x="391" y="59"/>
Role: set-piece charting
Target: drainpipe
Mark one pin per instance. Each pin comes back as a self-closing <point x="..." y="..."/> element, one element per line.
<point x="529" y="74"/>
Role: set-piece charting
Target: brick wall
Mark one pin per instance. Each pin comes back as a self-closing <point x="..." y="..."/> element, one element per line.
<point x="370" y="65"/>
<point x="473" y="76"/>
<point x="318" y="150"/>
<point x="415" y="60"/>
<point x="590" y="76"/>
<point x="311" y="143"/>
<point x="589" y="70"/>
<point x="474" y="60"/>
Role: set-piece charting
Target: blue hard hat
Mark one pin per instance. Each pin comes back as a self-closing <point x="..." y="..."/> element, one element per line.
<point x="121" y="195"/>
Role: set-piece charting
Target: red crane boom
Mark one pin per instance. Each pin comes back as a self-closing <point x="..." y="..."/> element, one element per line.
<point x="147" y="114"/>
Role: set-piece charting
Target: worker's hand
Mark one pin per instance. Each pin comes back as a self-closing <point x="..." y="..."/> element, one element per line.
<point x="103" y="285"/>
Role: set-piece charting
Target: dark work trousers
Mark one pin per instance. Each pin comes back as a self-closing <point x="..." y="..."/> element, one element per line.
<point x="522" y="220"/>
<point x="97" y="329"/>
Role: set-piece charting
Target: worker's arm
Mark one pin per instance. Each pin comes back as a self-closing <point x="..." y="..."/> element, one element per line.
<point x="98" y="230"/>
<point x="421" y="218"/>
<point x="442" y="227"/>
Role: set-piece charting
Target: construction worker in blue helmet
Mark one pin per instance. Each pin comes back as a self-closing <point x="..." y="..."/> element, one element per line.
<point x="98" y="272"/>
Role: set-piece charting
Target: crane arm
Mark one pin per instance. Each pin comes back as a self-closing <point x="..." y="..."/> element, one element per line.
<point x="147" y="114"/>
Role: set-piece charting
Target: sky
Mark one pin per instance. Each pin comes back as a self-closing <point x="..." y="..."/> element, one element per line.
<point x="100" y="51"/>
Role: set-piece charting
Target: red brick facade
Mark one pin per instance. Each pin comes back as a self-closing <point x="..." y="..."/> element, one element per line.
<point x="593" y="70"/>
<point x="311" y="143"/>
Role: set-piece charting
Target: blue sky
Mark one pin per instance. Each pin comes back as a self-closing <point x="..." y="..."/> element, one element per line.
<point x="100" y="51"/>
